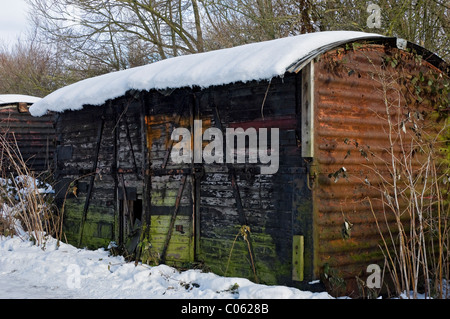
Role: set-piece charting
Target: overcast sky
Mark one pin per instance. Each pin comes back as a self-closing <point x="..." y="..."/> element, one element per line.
<point x="13" y="20"/>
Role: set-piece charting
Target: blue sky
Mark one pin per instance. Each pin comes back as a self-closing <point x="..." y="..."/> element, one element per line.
<point x="13" y="20"/>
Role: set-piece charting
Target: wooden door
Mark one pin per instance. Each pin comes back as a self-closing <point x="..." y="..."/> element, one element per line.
<point x="171" y="187"/>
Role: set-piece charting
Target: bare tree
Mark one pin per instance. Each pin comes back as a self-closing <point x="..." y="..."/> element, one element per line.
<point x="110" y="33"/>
<point x="100" y="36"/>
<point x="101" y="31"/>
<point x="425" y="22"/>
<point x="30" y="68"/>
<point x="235" y="22"/>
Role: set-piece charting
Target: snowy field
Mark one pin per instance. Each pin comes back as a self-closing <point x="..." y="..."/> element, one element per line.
<point x="65" y="272"/>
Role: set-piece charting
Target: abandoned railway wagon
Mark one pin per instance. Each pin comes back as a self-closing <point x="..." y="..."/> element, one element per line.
<point x="33" y="136"/>
<point x="251" y="161"/>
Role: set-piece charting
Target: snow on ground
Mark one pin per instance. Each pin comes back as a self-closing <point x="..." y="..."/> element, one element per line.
<point x="55" y="270"/>
<point x="28" y="271"/>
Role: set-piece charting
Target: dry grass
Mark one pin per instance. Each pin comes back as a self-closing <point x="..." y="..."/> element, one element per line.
<point x="22" y="196"/>
<point x="414" y="195"/>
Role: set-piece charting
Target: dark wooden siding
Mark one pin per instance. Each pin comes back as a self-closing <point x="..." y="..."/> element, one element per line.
<point x="269" y="201"/>
<point x="208" y="220"/>
<point x="209" y="202"/>
<point x="116" y="131"/>
<point x="35" y="136"/>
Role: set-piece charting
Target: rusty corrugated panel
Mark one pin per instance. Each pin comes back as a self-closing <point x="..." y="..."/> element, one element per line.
<point x="350" y="124"/>
<point x="35" y="136"/>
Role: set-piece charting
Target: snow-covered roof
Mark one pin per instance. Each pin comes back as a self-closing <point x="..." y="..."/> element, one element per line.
<point x="17" y="98"/>
<point x="256" y="61"/>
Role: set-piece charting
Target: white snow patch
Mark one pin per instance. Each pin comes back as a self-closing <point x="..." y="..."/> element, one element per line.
<point x="256" y="61"/>
<point x="56" y="272"/>
<point x="17" y="98"/>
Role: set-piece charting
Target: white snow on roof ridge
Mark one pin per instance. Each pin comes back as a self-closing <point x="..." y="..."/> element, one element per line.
<point x="17" y="98"/>
<point x="256" y="61"/>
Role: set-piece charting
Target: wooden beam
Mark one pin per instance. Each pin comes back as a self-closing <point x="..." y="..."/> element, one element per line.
<point x="172" y="221"/>
<point x="307" y="110"/>
<point x="94" y="173"/>
<point x="297" y="257"/>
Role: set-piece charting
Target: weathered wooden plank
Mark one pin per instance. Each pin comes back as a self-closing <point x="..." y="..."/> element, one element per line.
<point x="307" y="110"/>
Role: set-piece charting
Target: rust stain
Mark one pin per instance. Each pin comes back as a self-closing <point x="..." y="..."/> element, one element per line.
<point x="351" y="126"/>
<point x="160" y="128"/>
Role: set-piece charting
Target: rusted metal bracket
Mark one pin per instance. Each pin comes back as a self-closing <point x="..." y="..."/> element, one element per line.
<point x="311" y="174"/>
<point x="125" y="170"/>
<point x="125" y="199"/>
<point x="197" y="171"/>
<point x="172" y="220"/>
<point x="237" y="197"/>
<point x="175" y="171"/>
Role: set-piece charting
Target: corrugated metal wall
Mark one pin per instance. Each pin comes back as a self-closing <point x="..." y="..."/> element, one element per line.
<point x="350" y="124"/>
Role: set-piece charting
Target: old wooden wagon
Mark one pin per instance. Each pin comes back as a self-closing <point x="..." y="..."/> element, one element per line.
<point x="33" y="136"/>
<point x="278" y="217"/>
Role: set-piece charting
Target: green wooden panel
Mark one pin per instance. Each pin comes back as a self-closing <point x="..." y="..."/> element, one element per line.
<point x="297" y="257"/>
<point x="180" y="248"/>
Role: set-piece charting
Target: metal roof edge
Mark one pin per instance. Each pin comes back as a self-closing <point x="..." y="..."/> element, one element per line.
<point x="399" y="43"/>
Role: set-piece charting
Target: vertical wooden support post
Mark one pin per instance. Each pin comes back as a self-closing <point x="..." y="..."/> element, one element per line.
<point x="93" y="174"/>
<point x="146" y="173"/>
<point x="192" y="117"/>
<point x="197" y="174"/>
<point x="307" y="110"/>
<point x="172" y="221"/>
<point x="298" y="257"/>
<point x="237" y="197"/>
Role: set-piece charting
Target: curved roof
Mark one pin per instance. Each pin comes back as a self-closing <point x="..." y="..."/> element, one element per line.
<point x="17" y="98"/>
<point x="256" y="61"/>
